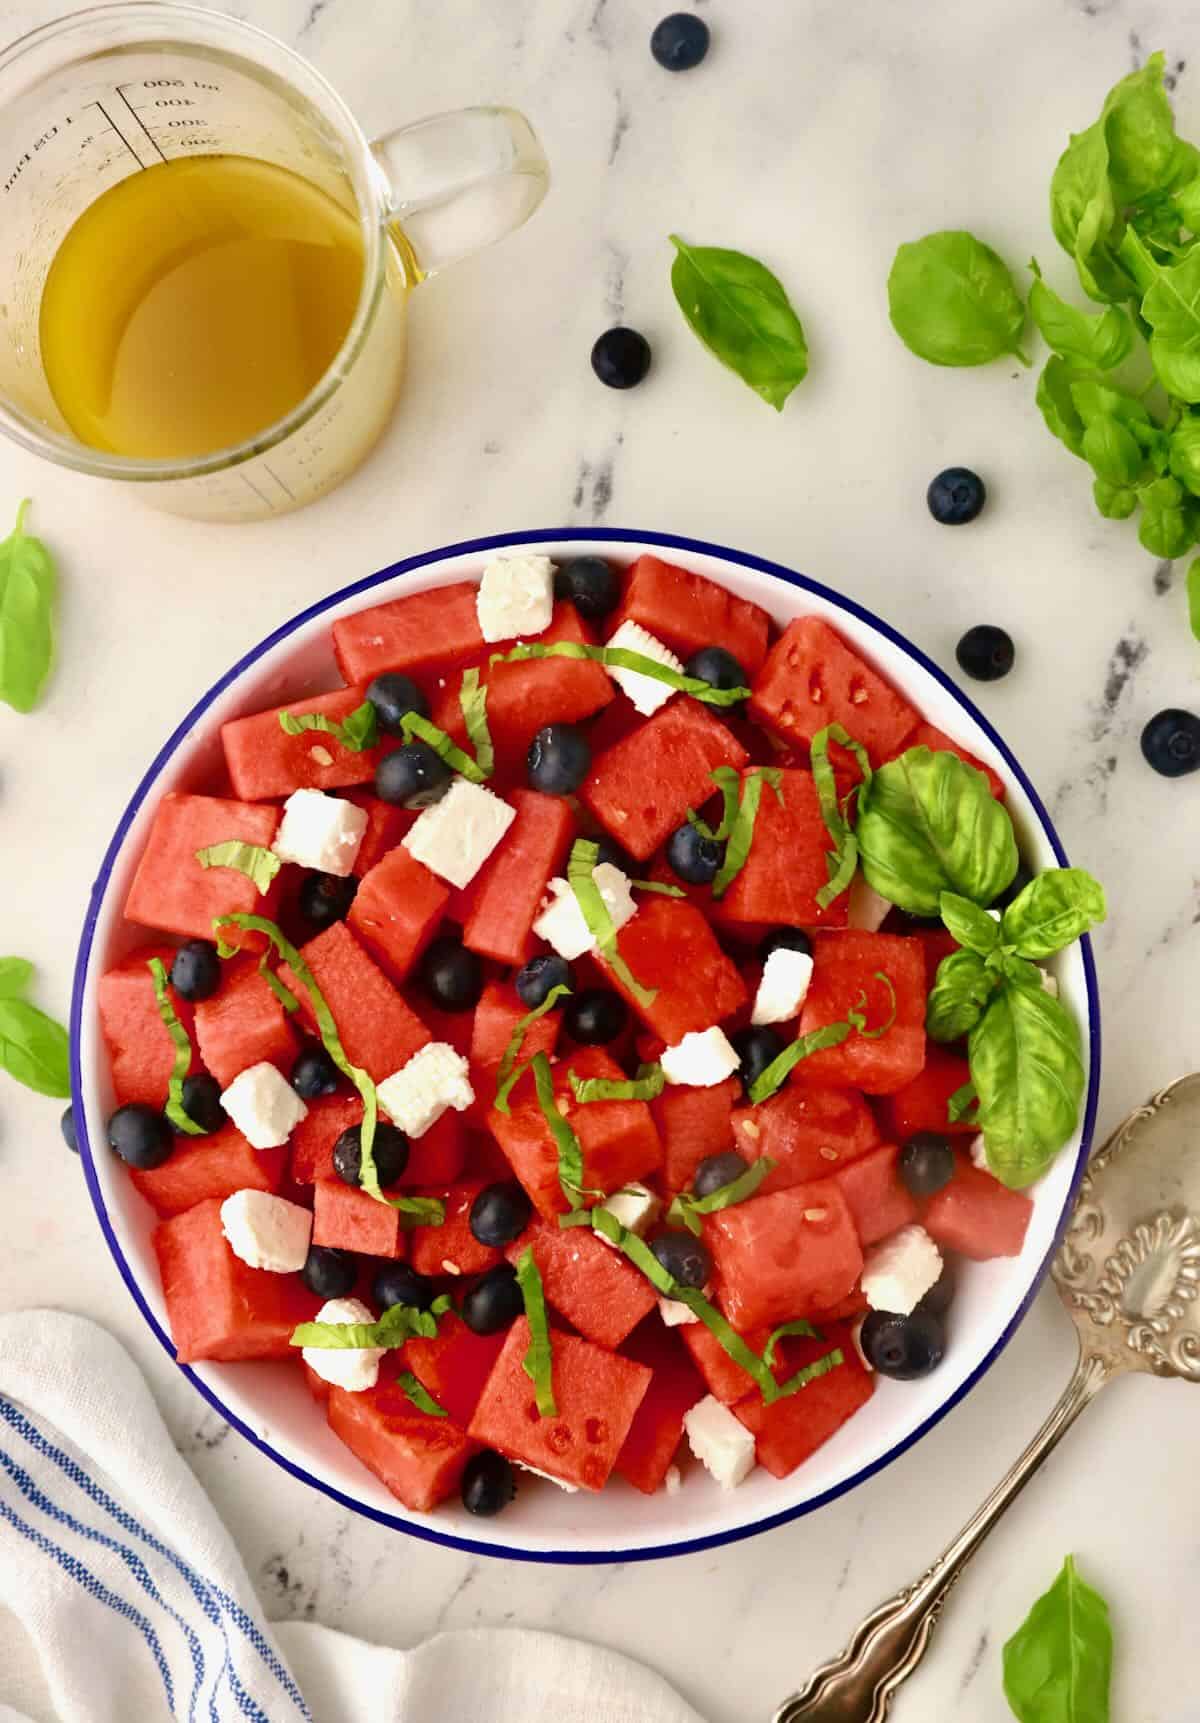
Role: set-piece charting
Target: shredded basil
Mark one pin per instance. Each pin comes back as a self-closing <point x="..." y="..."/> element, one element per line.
<point x="658" y="887"/>
<point x="413" y="724"/>
<point x="649" y="1082"/>
<point x="960" y="1103"/>
<point x="517" y="1040"/>
<point x="810" y="1373"/>
<point x="538" y="1362"/>
<point x="687" y="1210"/>
<point x="570" y="1152"/>
<point x="420" y="1396"/>
<point x="282" y="992"/>
<point x="622" y="658"/>
<point x="857" y="1017"/>
<point x="580" y="865"/>
<point x="803" y="1047"/>
<point x="843" y="858"/>
<point x="472" y="699"/>
<point x="358" y="731"/>
<point x="741" y="832"/>
<point x="400" y="1322"/>
<point x="800" y="1328"/>
<point x="182" y="1064"/>
<point x="258" y="864"/>
<point x="728" y="781"/>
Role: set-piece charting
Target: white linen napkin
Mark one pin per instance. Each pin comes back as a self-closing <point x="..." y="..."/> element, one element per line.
<point x="127" y="1590"/>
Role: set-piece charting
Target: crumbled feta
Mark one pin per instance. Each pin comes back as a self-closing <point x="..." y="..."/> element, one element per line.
<point x="264" y="1106"/>
<point x="977" y="1149"/>
<point x="781" y="992"/>
<point x="673" y="1480"/>
<point x="561" y="922"/>
<point x="635" y="1207"/>
<point x="673" y="1311"/>
<point x="267" y="1231"/>
<point x="701" y="1060"/>
<point x="457" y="835"/>
<point x="435" y="1079"/>
<point x="320" y="831"/>
<point x="571" y="1489"/>
<point x="355" y="1368"/>
<point x="646" y="692"/>
<point x="899" y="1272"/>
<point x="515" y="597"/>
<point x="724" y="1447"/>
<point x="865" y="908"/>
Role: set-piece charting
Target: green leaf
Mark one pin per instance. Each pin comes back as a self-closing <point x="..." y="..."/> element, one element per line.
<point x="1084" y="216"/>
<point x="960" y="1103"/>
<point x="729" y="781"/>
<point x="741" y="833"/>
<point x="742" y="314"/>
<point x="580" y="868"/>
<point x="857" y="1017"/>
<point x="1139" y="131"/>
<point x="1056" y="405"/>
<point x="28" y="588"/>
<point x="623" y="658"/>
<point x="959" y="995"/>
<point x="646" y="1086"/>
<point x="358" y="731"/>
<point x="842" y="859"/>
<point x="952" y="301"/>
<point x="15" y="975"/>
<point x="657" y="888"/>
<point x="283" y="993"/>
<point x="538" y="1362"/>
<point x="516" y="1041"/>
<point x="971" y="926"/>
<point x="34" y="1049"/>
<point x="1114" y="502"/>
<point x="472" y="700"/>
<point x="1053" y="911"/>
<point x="570" y="1152"/>
<point x="258" y="864"/>
<point x="399" y="1322"/>
<point x="803" y="1047"/>
<point x="1184" y="457"/>
<point x="1058" y="1664"/>
<point x="412" y="724"/>
<point x="418" y="1211"/>
<point x="1096" y="401"/>
<point x="1112" y="452"/>
<point x="1094" y="340"/>
<point x="686" y="1209"/>
<point x="810" y="1373"/>
<point x="1170" y="522"/>
<point x="181" y="1064"/>
<point x="1171" y="307"/>
<point x="420" y="1396"/>
<point x="930" y="824"/>
<point x="800" y="1329"/>
<point x="1026" y="1063"/>
<point x="1193" y="597"/>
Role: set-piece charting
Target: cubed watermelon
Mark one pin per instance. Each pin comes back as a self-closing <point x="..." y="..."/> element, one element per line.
<point x="386" y="825"/>
<point x="923" y="1104"/>
<point x="812" y="678"/>
<point x="596" y="1392"/>
<point x="438" y="1155"/>
<point x="311" y="1142"/>
<point x="454" y="1365"/>
<point x="212" y="1166"/>
<point x="936" y="943"/>
<point x="243" y="1024"/>
<point x="452" y="1248"/>
<point x="693" y="1124"/>
<point x="687" y="611"/>
<point x="507" y="893"/>
<point x="378" y="1030"/>
<point x="928" y="736"/>
<point x="587" y="1281"/>
<point x="217" y="1307"/>
<point x="657" y="1427"/>
<point x="346" y="1218"/>
<point x="788" y="862"/>
<point x="723" y="1376"/>
<point x="880" y="1202"/>
<point x="641" y="788"/>
<point x="265" y="763"/>
<point x="173" y="892"/>
<point x="847" y="974"/>
<point x="141" y="1053"/>
<point x="418" y="1457"/>
<point x="788" y="1431"/>
<point x="978" y="1216"/>
<point x="421" y="631"/>
<point x="783" y="1256"/>
<point x="496" y="1018"/>
<point x="671" y="949"/>
<point x="397" y="910"/>
<point x="808" y="1132"/>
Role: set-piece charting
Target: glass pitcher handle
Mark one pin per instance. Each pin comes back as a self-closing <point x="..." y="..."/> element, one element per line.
<point x="458" y="182"/>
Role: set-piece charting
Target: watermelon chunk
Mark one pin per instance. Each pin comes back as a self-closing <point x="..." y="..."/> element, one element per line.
<point x="418" y="1457"/>
<point x="264" y="762"/>
<point x="346" y="1218"/>
<point x="386" y="825"/>
<point x="452" y="1248"/>
<point x="693" y="1124"/>
<point x="923" y="1104"/>
<point x="812" y="678"/>
<point x="671" y="948"/>
<point x="421" y="631"/>
<point x="657" y="1427"/>
<point x="788" y="1431"/>
<point x="787" y="865"/>
<point x="397" y="910"/>
<point x="929" y="736"/>
<point x="723" y="1376"/>
<point x="808" y="1132"/>
<point x="438" y="1156"/>
<point x="848" y="966"/>
<point x="936" y="943"/>
<point x="879" y="1200"/>
<point x="496" y="1018"/>
<point x="687" y="611"/>
<point x="217" y="1307"/>
<point x="172" y="891"/>
<point x="783" y="1256"/>
<point x="454" y="1365"/>
<point x="641" y="788"/>
<point x="311" y="1142"/>
<point x="587" y="1281"/>
<point x="213" y="1166"/>
<point x="243" y="1024"/>
<point x="378" y="1030"/>
<point x="596" y="1392"/>
<point x="141" y="1053"/>
<point x="506" y="895"/>
<point x="978" y="1216"/>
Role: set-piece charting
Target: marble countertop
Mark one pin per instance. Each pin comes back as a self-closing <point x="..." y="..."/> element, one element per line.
<point x="817" y="136"/>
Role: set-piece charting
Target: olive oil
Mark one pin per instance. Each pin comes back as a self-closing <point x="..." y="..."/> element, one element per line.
<point x="195" y="303"/>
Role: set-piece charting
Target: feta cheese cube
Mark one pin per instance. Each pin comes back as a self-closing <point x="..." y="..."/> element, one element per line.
<point x="515" y="597"/>
<point x="457" y="835"/>
<point x="724" y="1447"/>
<point x="267" y="1231"/>
<point x="264" y="1106"/>
<point x="978" y="1152"/>
<point x="866" y="909"/>
<point x="435" y="1079"/>
<point x="701" y="1060"/>
<point x="561" y="922"/>
<point x="898" y="1272"/>
<point x="781" y="992"/>
<point x="672" y="1310"/>
<point x="646" y="693"/>
<point x="320" y="831"/>
<point x="355" y="1368"/>
<point x="535" y="1471"/>
<point x="635" y="1207"/>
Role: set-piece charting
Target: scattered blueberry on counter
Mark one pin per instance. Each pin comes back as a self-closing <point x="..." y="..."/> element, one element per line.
<point x="680" y="42"/>
<point x="985" y="653"/>
<point x="621" y="358"/>
<point x="956" y="496"/>
<point x="1171" y="742"/>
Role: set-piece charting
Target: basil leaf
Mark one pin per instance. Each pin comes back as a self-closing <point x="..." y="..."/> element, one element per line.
<point x="1056" y="405"/>
<point x="649" y="1083"/>
<point x="1171" y="307"/>
<point x="842" y="860"/>
<point x="1170" y="521"/>
<point x="538" y="1363"/>
<point x="28" y="588"/>
<point x="1099" y="340"/>
<point x="418" y="1211"/>
<point x="657" y="887"/>
<point x="971" y="926"/>
<point x="420" y="1396"/>
<point x="358" y="731"/>
<point x="687" y="1209"/>
<point x="960" y="1103"/>
<point x="741" y="833"/>
<point x="182" y="1063"/>
<point x="1112" y="452"/>
<point x="1026" y="1063"/>
<point x="952" y="301"/>
<point x="729" y="781"/>
<point x="1096" y="401"/>
<point x="1058" y="1664"/>
<point x="472" y="700"/>
<point x="1083" y="214"/>
<point x="1193" y="597"/>
<point x="15" y="975"/>
<point x="742" y="314"/>
<point x="930" y="824"/>
<point x="400" y="1322"/>
<point x="801" y="1329"/>
<point x="570" y="1153"/>
<point x="959" y="995"/>
<point x="1139" y="131"/>
<point x="803" y="1047"/>
<point x="810" y="1373"/>
<point x="1184" y="456"/>
<point x="283" y="993"/>
<point x="857" y="1017"/>
<point x="516" y="1041"/>
<point x="1053" y="911"/>
<point x="258" y="864"/>
<point x="580" y="867"/>
<point x="34" y="1048"/>
<point x="1114" y="502"/>
<point x="623" y="658"/>
<point x="412" y="724"/>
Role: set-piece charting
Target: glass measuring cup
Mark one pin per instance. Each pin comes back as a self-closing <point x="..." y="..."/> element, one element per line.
<point x="96" y="97"/>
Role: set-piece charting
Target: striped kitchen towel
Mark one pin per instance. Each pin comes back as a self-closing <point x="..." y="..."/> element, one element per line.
<point x="125" y="1591"/>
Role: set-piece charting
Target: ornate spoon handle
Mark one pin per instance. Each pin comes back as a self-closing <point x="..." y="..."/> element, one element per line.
<point x="857" y="1687"/>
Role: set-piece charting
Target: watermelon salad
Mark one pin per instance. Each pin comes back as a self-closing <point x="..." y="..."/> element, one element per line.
<point x="591" y="1041"/>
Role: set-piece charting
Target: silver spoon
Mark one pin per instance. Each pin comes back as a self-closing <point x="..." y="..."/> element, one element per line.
<point x="1128" y="1271"/>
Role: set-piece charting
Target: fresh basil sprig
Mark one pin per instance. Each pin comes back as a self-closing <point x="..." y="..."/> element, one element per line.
<point x="258" y="864"/>
<point x="33" y="1047"/>
<point x="959" y="995"/>
<point x="742" y="314"/>
<point x="1053" y="910"/>
<point x="1058" y="1664"/>
<point x="952" y="301"/>
<point x="1096" y="341"/>
<point x="28" y="590"/>
<point x="357" y="732"/>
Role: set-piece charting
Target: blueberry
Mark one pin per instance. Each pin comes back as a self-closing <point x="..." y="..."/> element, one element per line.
<point x="390" y="1152"/>
<point x="621" y="358"/>
<point x="397" y="1283"/>
<point x="329" y="1273"/>
<point x="558" y="760"/>
<point x="940" y="1296"/>
<point x="693" y="857"/>
<point x="609" y="850"/>
<point x="717" y="1171"/>
<point x="141" y="1136"/>
<point x="413" y="776"/>
<point x="487" y="1484"/>
<point x="1011" y="892"/>
<point x="314" y="1074"/>
<point x="787" y="939"/>
<point x="202" y="1102"/>
<point x="985" y="653"/>
<point x="903" y="1347"/>
<point x="927" y="1163"/>
<point x="451" y="975"/>
<point x="494" y="1302"/>
<point x="589" y="584"/>
<point x="717" y="667"/>
<point x="500" y="1213"/>
<point x="956" y="496"/>
<point x="326" y="898"/>
<point x="535" y="979"/>
<point x="67" y="1126"/>
<point x="394" y="696"/>
<point x="1171" y="742"/>
<point x="595" y="1017"/>
<point x="680" y="42"/>
<point x="196" y="970"/>
<point x="685" y="1258"/>
<point x="756" y="1049"/>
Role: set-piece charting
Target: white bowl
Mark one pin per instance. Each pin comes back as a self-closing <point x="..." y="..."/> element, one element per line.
<point x="268" y="1403"/>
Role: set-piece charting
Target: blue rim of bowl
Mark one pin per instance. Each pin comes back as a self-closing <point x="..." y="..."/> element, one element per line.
<point x="408" y="565"/>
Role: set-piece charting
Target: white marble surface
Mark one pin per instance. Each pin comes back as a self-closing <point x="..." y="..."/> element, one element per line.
<point x="818" y="135"/>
